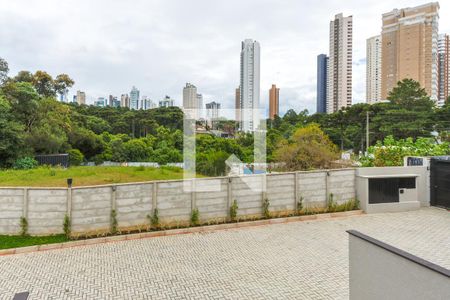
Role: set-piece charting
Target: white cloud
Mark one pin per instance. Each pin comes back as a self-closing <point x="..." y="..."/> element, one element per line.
<point x="108" y="46"/>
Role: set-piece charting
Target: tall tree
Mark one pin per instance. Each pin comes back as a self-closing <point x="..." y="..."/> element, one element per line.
<point x="62" y="83"/>
<point x="11" y="135"/>
<point x="4" y="69"/>
<point x="44" y="84"/>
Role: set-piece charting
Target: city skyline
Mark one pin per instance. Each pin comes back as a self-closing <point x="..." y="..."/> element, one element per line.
<point x="117" y="61"/>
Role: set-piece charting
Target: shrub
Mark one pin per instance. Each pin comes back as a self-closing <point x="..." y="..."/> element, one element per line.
<point x="67" y="226"/>
<point x="233" y="211"/>
<point x="331" y="204"/>
<point x="154" y="219"/>
<point x="266" y="212"/>
<point x="25" y="163"/>
<point x="299" y="205"/>
<point x="195" y="220"/>
<point x="113" y="221"/>
<point x="75" y="157"/>
<point x="23" y="226"/>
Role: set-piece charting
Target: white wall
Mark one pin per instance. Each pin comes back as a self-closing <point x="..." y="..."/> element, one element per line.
<point x="90" y="207"/>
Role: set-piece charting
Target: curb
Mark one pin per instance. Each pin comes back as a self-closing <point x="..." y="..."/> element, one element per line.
<point x="172" y="232"/>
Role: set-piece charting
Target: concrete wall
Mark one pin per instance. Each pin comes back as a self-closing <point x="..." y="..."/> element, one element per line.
<point x="377" y="273"/>
<point x="90" y="207"/>
<point x="421" y="173"/>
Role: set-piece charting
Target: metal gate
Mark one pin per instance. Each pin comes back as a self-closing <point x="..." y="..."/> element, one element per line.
<point x="440" y="181"/>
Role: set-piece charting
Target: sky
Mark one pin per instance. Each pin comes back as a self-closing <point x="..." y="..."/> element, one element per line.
<point x="107" y="46"/>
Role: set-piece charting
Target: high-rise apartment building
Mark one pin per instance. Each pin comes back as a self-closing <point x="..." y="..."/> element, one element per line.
<point x="113" y="101"/>
<point x="212" y="110"/>
<point x="166" y="102"/>
<point x="373" y="69"/>
<point x="322" y="64"/>
<point x="249" y="85"/>
<point x="134" y="98"/>
<point x="237" y="104"/>
<point x="100" y="102"/>
<point x="125" y="100"/>
<point x="212" y="113"/>
<point x="410" y="48"/>
<point x="339" y="73"/>
<point x="274" y="102"/>
<point x="443" y="67"/>
<point x="81" y="98"/>
<point x="191" y="100"/>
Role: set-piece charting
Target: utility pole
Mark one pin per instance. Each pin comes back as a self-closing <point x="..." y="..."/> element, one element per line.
<point x="367" y="132"/>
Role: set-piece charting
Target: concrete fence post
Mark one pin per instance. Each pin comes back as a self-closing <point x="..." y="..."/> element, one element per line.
<point x="193" y="204"/>
<point x="296" y="198"/>
<point x="264" y="193"/>
<point x="327" y="189"/>
<point x="25" y="203"/>
<point x="229" y="193"/>
<point x="154" y="196"/>
<point x="69" y="202"/>
<point x="113" y="197"/>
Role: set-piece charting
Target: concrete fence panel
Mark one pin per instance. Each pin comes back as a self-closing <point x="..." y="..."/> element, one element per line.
<point x="174" y="204"/>
<point x="91" y="209"/>
<point x="313" y="188"/>
<point x="249" y="200"/>
<point x="11" y="209"/>
<point x="281" y="192"/>
<point x="212" y="204"/>
<point x="46" y="210"/>
<point x="133" y="204"/>
<point x="341" y="183"/>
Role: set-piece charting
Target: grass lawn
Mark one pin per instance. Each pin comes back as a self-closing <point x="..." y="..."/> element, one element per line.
<point x="83" y="176"/>
<point x="16" y="241"/>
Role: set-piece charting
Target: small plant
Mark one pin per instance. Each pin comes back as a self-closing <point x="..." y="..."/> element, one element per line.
<point x="233" y="211"/>
<point x="25" y="163"/>
<point x="67" y="226"/>
<point x="23" y="226"/>
<point x="195" y="217"/>
<point x="266" y="212"/>
<point x="52" y="172"/>
<point x="331" y="204"/>
<point x="113" y="221"/>
<point x="140" y="168"/>
<point x="299" y="206"/>
<point x="355" y="204"/>
<point x="154" y="219"/>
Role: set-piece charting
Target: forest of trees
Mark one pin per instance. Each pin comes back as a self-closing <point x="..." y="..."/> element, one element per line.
<point x="33" y="122"/>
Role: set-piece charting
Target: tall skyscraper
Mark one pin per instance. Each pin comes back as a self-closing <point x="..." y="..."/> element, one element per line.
<point x="81" y="97"/>
<point x="339" y="74"/>
<point x="322" y="63"/>
<point x="134" y="98"/>
<point x="124" y="100"/>
<point x="166" y="102"/>
<point x="200" y="109"/>
<point x="249" y="87"/>
<point x="191" y="100"/>
<point x="113" y="102"/>
<point x="237" y="104"/>
<point x="444" y="65"/>
<point x="100" y="102"/>
<point x="373" y="69"/>
<point x="274" y="102"/>
<point x="212" y="110"/>
<point x="410" y="48"/>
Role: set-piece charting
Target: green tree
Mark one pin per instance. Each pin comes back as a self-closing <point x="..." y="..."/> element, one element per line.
<point x="4" y="69"/>
<point x="11" y="135"/>
<point x="44" y="84"/>
<point x="75" y="157"/>
<point x="309" y="148"/>
<point x="23" y="76"/>
<point x="62" y="83"/>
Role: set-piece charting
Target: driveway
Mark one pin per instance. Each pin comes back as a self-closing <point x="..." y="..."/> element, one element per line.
<point x="299" y="260"/>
